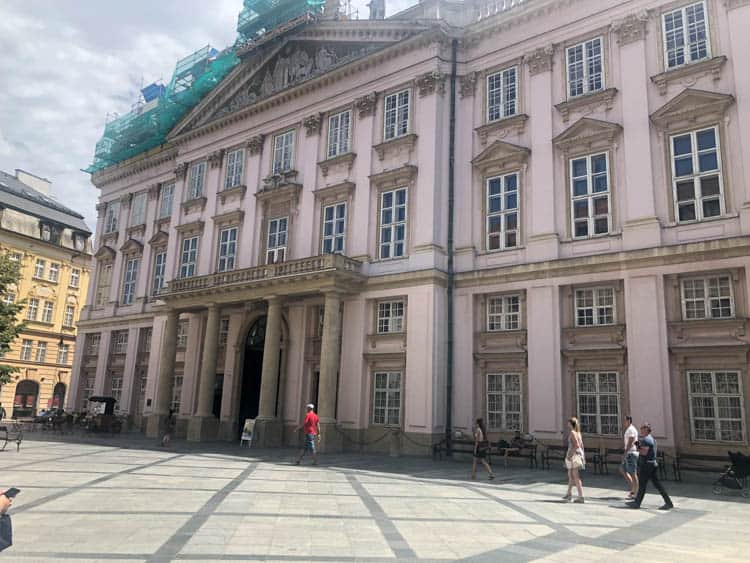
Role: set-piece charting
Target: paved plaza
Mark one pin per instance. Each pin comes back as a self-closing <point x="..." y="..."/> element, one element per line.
<point x="124" y="501"/>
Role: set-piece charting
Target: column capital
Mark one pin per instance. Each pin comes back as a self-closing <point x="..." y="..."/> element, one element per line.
<point x="540" y="60"/>
<point x="274" y="300"/>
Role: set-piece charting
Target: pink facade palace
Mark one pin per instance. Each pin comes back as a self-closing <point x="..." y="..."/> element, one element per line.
<point x="292" y="242"/>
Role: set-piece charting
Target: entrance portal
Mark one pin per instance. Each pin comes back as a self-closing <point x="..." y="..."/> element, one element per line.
<point x="252" y="369"/>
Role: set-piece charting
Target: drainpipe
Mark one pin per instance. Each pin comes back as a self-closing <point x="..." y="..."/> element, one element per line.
<point x="451" y="200"/>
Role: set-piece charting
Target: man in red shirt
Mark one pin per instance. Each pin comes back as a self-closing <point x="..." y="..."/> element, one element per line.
<point x="311" y="428"/>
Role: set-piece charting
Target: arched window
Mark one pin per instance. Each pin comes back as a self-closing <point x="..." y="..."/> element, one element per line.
<point x="27" y="393"/>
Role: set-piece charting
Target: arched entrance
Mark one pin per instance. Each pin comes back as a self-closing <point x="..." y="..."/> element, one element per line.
<point x="27" y="393"/>
<point x="252" y="369"/>
<point x="58" y="396"/>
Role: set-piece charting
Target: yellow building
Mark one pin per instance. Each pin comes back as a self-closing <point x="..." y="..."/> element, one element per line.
<point x="51" y="242"/>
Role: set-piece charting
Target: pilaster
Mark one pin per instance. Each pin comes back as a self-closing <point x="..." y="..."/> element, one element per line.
<point x="164" y="379"/>
<point x="267" y="423"/>
<point x="204" y="425"/>
<point x="330" y="356"/>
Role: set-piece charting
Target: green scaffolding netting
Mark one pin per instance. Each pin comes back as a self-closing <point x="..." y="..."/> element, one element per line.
<point x="258" y="16"/>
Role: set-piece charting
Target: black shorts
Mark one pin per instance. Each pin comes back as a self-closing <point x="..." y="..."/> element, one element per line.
<point x="481" y="453"/>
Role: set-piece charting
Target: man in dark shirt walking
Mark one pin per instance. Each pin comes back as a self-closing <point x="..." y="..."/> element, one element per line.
<point x="648" y="470"/>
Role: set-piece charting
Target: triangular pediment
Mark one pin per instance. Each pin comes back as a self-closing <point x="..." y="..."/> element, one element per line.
<point x="692" y="105"/>
<point x="501" y="155"/>
<point x="105" y="253"/>
<point x="131" y="245"/>
<point x="287" y="63"/>
<point x="587" y="132"/>
<point x="159" y="239"/>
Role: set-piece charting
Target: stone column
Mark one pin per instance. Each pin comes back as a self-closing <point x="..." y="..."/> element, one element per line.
<point x="267" y="425"/>
<point x="166" y="373"/>
<point x="204" y="425"/>
<point x="330" y="356"/>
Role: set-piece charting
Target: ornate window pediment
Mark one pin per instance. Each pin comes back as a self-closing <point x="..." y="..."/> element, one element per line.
<point x="131" y="246"/>
<point x="587" y="134"/>
<point x="159" y="239"/>
<point x="401" y="176"/>
<point x="500" y="156"/>
<point x="692" y="108"/>
<point x="105" y="253"/>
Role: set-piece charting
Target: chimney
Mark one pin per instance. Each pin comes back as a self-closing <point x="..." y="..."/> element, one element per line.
<point x="377" y="9"/>
<point x="37" y="183"/>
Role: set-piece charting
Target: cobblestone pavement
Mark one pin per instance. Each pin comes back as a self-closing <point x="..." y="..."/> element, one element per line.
<point x="125" y="501"/>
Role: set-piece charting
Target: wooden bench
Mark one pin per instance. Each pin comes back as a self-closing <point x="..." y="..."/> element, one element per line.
<point x="12" y="433"/>
<point x="698" y="462"/>
<point x="613" y="456"/>
<point x="463" y="446"/>
<point x="558" y="453"/>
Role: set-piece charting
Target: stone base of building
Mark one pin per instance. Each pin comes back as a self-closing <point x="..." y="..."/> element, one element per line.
<point x="388" y="441"/>
<point x="331" y="438"/>
<point x="267" y="433"/>
<point x="228" y="431"/>
<point x="155" y="425"/>
<point x="202" y="428"/>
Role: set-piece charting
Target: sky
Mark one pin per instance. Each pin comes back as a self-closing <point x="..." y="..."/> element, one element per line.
<point x="66" y="64"/>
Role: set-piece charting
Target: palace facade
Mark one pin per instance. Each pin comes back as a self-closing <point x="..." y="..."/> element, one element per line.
<point x="521" y="210"/>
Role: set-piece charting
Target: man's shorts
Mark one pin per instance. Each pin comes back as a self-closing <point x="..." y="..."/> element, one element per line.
<point x="630" y="463"/>
<point x="310" y="443"/>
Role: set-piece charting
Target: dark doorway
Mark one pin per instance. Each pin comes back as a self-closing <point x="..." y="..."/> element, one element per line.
<point x="58" y="396"/>
<point x="252" y="370"/>
<point x="24" y="403"/>
<point x="314" y="386"/>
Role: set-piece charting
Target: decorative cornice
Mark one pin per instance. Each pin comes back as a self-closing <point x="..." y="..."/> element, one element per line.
<point x="587" y="103"/>
<point x="342" y="159"/>
<point x="105" y="253"/>
<point x="689" y="74"/>
<point x="503" y="127"/>
<point x="159" y="239"/>
<point x="468" y="84"/>
<point x="131" y="246"/>
<point x="631" y="28"/>
<point x="188" y="205"/>
<point x="312" y="124"/>
<point x="238" y="191"/>
<point x="398" y="176"/>
<point x="500" y="156"/>
<point x="215" y="158"/>
<point x="289" y="191"/>
<point x="229" y="217"/>
<point x="540" y="60"/>
<point x="691" y="107"/>
<point x="180" y="170"/>
<point x="192" y="227"/>
<point x="366" y="104"/>
<point x="408" y="141"/>
<point x="587" y="133"/>
<point x="255" y="144"/>
<point x="276" y="181"/>
<point x="339" y="191"/>
<point x="430" y="82"/>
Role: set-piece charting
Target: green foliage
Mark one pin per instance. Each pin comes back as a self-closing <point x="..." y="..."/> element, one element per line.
<point x="10" y="274"/>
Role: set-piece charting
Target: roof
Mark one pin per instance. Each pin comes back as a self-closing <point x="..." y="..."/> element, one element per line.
<point x="16" y="195"/>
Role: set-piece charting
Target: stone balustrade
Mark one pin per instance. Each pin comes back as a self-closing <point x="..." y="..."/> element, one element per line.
<point x="488" y="8"/>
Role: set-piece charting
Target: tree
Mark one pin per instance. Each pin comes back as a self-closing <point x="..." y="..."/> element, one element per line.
<point x="10" y="274"/>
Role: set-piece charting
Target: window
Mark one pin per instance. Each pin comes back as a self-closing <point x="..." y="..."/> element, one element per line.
<point x="227" y="249"/>
<point x="589" y="181"/>
<point x="176" y="392"/>
<point x="88" y="389"/>
<point x="195" y="180"/>
<point x="54" y="272"/>
<point x="32" y="311"/>
<point x="276" y="241"/>
<point x="16" y="256"/>
<point x="390" y="317"/>
<point x="46" y="232"/>
<point x="502" y="212"/>
<point x="116" y="389"/>
<point x="396" y="116"/>
<point x="62" y="353"/>
<point x="595" y="306"/>
<point x="128" y="285"/>
<point x="75" y="278"/>
<point x="503" y="313"/>
<point x="9" y="298"/>
<point x="504" y="401"/>
<point x="79" y="242"/>
<point x="145" y="341"/>
<point x="41" y="351"/>
<point x="696" y="175"/>
<point x="167" y="198"/>
<point x="26" y="349"/>
<point x="716" y="406"/>
<point x="69" y="317"/>
<point x="223" y="332"/>
<point x="235" y="162"/>
<point x="119" y="342"/>
<point x="39" y="269"/>
<point x="685" y="35"/>
<point x="138" y="210"/>
<point x="112" y="217"/>
<point x="182" y="333"/>
<point x="707" y="298"/>
<point x="338" y="133"/>
<point x="47" y="311"/>
<point x="283" y="149"/>
<point x="334" y="228"/>
<point x="189" y="257"/>
<point x="598" y="402"/>
<point x="584" y="63"/>
<point x="160" y="263"/>
<point x="393" y="224"/>
<point x="387" y="398"/>
<point x="502" y="94"/>
<point x="102" y="288"/>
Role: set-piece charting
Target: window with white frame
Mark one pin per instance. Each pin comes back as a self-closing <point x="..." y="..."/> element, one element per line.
<point x="396" y="115"/>
<point x="393" y="217"/>
<point x="283" y="152"/>
<point x="112" y="217"/>
<point x="590" y="195"/>
<point x="585" y="67"/>
<point x="33" y="309"/>
<point x="504" y="401"/>
<point x="41" y="352"/>
<point x="88" y="388"/>
<point x="502" y="94"/>
<point x="716" y="406"/>
<point x="707" y="298"/>
<point x="116" y="389"/>
<point x="39" y="268"/>
<point x="157" y="280"/>
<point x="276" y="240"/>
<point x="387" y="398"/>
<point x="503" y="313"/>
<point x="138" y="209"/>
<point x="334" y="228"/>
<point x="16" y="256"/>
<point x="685" y="35"/>
<point x="145" y="340"/>
<point x="390" y="317"/>
<point x="598" y="402"/>
<point x="235" y="165"/>
<point x="696" y="175"/>
<point x="54" y="272"/>
<point x="176" y="392"/>
<point x="129" y="281"/>
<point x="196" y="178"/>
<point x="9" y="298"/>
<point x="75" y="278"/>
<point x="339" y="127"/>
<point x="182" y="333"/>
<point x="69" y="316"/>
<point x="227" y="249"/>
<point x="167" y="198"/>
<point x="103" y="283"/>
<point x="502" y="212"/>
<point x="223" y="331"/>
<point x="92" y="344"/>
<point x="595" y="306"/>
<point x="62" y="353"/>
<point x="26" y="346"/>
<point x="47" y="311"/>
<point x="189" y="257"/>
<point x="120" y="342"/>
